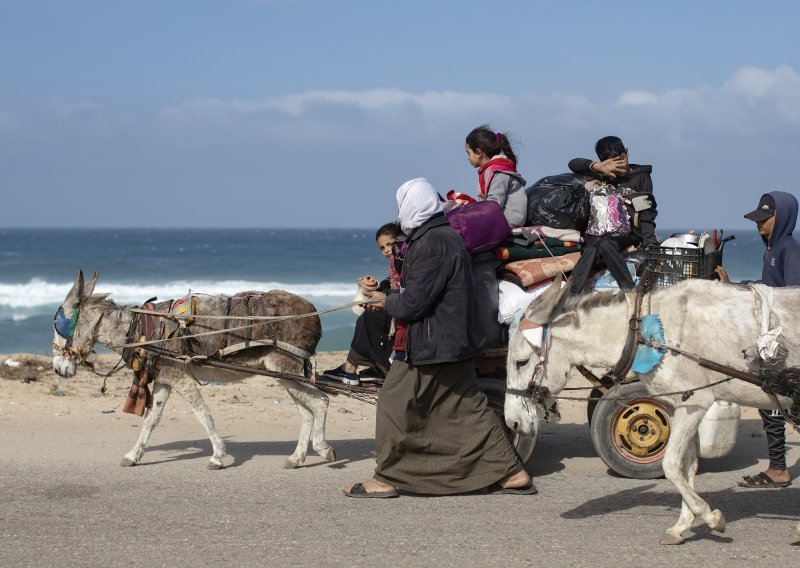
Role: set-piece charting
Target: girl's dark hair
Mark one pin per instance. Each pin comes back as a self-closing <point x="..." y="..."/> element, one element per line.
<point x="609" y="147"/>
<point x="490" y="142"/>
<point x="390" y="229"/>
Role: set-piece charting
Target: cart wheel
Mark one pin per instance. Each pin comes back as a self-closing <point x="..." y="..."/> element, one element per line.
<point x="592" y="404"/>
<point x="495" y="391"/>
<point x="631" y="435"/>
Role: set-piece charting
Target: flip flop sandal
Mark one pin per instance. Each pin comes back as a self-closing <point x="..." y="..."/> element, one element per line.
<point x="359" y="492"/>
<point x="497" y="489"/>
<point x="762" y="481"/>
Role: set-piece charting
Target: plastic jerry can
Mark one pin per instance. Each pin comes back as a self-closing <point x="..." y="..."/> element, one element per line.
<point x="718" y="429"/>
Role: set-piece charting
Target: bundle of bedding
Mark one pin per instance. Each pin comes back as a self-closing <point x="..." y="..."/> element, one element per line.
<point x="543" y="248"/>
<point x="528" y="273"/>
<point x="535" y="254"/>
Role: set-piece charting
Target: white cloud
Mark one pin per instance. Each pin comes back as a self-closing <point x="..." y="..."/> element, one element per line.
<point x="752" y="100"/>
<point x="637" y="98"/>
<point x="429" y="102"/>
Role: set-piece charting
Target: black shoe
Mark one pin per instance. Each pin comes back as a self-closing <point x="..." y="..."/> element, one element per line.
<point x="371" y="375"/>
<point x="340" y="375"/>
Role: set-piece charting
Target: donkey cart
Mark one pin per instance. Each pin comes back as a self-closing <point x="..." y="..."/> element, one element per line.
<point x="629" y="427"/>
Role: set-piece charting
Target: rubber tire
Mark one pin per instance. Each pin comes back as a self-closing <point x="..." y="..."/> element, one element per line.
<point x="601" y="433"/>
<point x="592" y="404"/>
<point x="495" y="391"/>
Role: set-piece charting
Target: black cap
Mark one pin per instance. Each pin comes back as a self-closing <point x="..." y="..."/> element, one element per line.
<point x="765" y="210"/>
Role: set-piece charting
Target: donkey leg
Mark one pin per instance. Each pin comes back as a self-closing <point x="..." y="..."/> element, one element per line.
<point x="685" y="421"/>
<point x="317" y="401"/>
<point x="686" y="519"/>
<point x="313" y="406"/>
<point x="187" y="388"/>
<point x="299" y="456"/>
<point x="161" y="393"/>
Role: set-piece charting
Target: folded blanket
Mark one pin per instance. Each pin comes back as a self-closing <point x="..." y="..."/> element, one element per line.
<point x="526" y="273"/>
<point x="540" y="249"/>
<point x="548" y="232"/>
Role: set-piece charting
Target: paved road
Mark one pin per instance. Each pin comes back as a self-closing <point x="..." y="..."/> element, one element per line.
<point x="59" y="507"/>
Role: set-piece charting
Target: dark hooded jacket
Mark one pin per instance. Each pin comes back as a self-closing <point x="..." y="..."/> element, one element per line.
<point x="636" y="183"/>
<point x="438" y="300"/>
<point x="782" y="259"/>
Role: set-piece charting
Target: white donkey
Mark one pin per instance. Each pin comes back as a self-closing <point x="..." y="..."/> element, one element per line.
<point x="84" y="320"/>
<point x="715" y="321"/>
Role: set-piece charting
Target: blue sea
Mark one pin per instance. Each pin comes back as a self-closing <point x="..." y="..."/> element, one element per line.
<point x="38" y="266"/>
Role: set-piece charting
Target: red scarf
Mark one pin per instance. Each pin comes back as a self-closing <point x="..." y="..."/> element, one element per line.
<point x="493" y="166"/>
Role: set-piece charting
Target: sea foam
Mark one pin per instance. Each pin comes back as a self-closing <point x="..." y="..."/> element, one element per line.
<point x="38" y="294"/>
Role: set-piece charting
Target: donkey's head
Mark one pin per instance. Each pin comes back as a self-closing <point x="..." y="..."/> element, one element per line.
<point x="73" y="334"/>
<point x="527" y="366"/>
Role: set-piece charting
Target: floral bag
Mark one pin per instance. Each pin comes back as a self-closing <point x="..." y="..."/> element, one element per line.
<point x="608" y="213"/>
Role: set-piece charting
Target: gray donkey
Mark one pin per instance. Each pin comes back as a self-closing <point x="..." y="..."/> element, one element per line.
<point x="716" y="321"/>
<point x="86" y="319"/>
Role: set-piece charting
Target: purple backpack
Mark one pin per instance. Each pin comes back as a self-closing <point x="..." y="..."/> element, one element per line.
<point x="482" y="225"/>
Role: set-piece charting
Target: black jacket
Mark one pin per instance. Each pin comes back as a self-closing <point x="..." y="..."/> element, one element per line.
<point x="636" y="183"/>
<point x="437" y="300"/>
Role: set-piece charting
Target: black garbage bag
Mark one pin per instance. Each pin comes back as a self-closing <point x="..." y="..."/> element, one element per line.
<point x="560" y="201"/>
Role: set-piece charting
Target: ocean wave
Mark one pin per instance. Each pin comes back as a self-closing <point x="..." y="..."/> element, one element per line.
<point x="37" y="293"/>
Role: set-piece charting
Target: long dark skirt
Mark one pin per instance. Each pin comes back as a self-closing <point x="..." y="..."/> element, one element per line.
<point x="435" y="432"/>
<point x="371" y="345"/>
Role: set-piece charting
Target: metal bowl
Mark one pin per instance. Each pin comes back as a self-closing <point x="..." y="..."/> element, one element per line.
<point x="690" y="238"/>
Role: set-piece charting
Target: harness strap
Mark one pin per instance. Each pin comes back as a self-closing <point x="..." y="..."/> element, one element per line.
<point x="625" y="362"/>
<point x="272" y="342"/>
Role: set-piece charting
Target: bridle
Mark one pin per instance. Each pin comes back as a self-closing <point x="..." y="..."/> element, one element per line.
<point x="66" y="328"/>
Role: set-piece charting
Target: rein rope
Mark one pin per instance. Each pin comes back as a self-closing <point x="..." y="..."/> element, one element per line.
<point x="257" y="319"/>
<point x="685" y="394"/>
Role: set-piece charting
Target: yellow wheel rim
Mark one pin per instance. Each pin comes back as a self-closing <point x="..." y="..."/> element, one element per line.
<point x="640" y="430"/>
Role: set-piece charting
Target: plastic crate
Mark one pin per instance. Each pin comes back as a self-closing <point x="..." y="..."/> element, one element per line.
<point x="667" y="266"/>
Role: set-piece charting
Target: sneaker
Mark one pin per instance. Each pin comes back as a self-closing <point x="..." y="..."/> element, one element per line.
<point x="341" y="376"/>
<point x="371" y="375"/>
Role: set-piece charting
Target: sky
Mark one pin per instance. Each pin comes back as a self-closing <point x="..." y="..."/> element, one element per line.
<point x="310" y="113"/>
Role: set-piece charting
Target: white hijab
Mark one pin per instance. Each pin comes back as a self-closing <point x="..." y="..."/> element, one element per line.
<point x="417" y="201"/>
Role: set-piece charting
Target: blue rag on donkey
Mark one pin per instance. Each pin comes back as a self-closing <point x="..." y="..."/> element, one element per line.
<point x="648" y="357"/>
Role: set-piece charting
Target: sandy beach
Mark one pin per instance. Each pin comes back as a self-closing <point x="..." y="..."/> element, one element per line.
<point x="33" y="393"/>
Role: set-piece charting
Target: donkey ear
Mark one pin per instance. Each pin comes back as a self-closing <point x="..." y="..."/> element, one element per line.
<point x="541" y="309"/>
<point x="88" y="290"/>
<point x="74" y="294"/>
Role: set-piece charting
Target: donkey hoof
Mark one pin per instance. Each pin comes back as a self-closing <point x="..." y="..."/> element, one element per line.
<point x="214" y="465"/>
<point x="717" y="521"/>
<point x="289" y="464"/>
<point x="126" y="462"/>
<point x="671" y="539"/>
<point x="328" y="455"/>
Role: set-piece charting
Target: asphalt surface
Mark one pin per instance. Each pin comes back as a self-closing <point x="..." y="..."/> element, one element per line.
<point x="59" y="507"/>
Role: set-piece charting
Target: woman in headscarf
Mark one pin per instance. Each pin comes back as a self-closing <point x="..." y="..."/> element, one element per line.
<point x="435" y="433"/>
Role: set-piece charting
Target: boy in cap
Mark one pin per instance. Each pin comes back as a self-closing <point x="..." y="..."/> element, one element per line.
<point x="775" y="218"/>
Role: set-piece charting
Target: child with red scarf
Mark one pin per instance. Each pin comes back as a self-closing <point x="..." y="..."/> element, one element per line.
<point x="498" y="180"/>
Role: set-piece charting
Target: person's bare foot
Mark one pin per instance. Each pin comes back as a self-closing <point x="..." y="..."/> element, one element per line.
<point x="516" y="480"/>
<point x="779" y="475"/>
<point x="370" y="488"/>
<point x="767" y="479"/>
